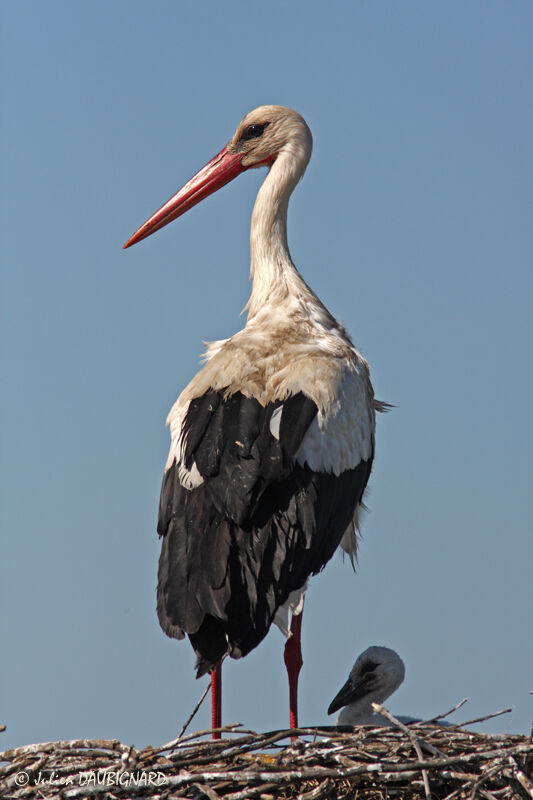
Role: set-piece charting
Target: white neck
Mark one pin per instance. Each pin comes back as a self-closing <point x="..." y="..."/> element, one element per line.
<point x="358" y="710"/>
<point x="352" y="715"/>
<point x="274" y="276"/>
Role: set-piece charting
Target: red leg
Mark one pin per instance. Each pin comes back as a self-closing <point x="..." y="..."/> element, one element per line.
<point x="216" y="698"/>
<point x="293" y="662"/>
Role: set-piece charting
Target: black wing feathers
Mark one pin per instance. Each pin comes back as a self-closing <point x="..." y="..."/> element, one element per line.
<point x="203" y="411"/>
<point x="298" y="413"/>
<point x="253" y="531"/>
<point x="231" y="443"/>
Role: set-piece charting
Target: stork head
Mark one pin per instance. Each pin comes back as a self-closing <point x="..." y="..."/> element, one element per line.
<point x="268" y="131"/>
<point x="376" y="674"/>
<point x="265" y="134"/>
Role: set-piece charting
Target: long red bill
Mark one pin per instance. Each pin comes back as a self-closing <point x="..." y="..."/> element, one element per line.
<point x="220" y="170"/>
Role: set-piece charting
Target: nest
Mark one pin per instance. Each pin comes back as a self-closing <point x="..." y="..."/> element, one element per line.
<point x="419" y="761"/>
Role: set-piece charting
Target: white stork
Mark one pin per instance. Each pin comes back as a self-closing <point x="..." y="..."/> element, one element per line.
<point x="271" y="442"/>
<point x="376" y="674"/>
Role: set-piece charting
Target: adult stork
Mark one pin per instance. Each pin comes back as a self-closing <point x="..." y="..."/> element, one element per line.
<point x="271" y="442"/>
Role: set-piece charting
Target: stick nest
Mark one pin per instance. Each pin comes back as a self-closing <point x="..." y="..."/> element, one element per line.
<point x="421" y="761"/>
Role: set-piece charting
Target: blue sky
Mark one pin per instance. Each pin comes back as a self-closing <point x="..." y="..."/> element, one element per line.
<point x="413" y="225"/>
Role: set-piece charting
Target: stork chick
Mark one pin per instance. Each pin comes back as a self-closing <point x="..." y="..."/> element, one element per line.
<point x="376" y="674"/>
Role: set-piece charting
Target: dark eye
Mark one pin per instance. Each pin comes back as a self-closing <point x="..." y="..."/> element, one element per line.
<point x="253" y="132"/>
<point x="368" y="667"/>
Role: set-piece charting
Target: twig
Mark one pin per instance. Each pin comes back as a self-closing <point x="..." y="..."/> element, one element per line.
<point x="193" y="712"/>
<point x="489" y="773"/>
<point x="522" y="779"/>
<point x="319" y="792"/>
<point x="205" y="790"/>
<point x="198" y="735"/>
<point x="443" y="716"/>
<point x="247" y="793"/>
<point x="480" y="719"/>
<point x="379" y="709"/>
